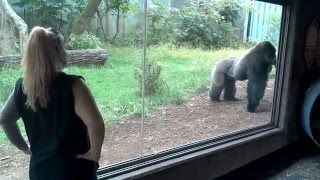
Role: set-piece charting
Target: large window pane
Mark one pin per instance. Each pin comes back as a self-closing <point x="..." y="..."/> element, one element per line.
<point x="185" y="39"/>
<point x="113" y="84"/>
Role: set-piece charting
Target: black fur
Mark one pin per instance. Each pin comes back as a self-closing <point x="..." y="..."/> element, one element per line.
<point x="254" y="66"/>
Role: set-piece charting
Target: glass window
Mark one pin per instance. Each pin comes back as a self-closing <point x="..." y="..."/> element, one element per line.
<point x="184" y="43"/>
<point x="154" y="90"/>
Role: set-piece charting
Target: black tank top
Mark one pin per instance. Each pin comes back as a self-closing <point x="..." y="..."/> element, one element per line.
<point x="55" y="130"/>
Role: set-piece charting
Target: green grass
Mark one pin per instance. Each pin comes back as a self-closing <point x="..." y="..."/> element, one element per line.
<point x="8" y="77"/>
<point x="184" y="71"/>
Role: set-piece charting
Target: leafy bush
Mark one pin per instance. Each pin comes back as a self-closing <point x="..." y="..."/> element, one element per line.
<point x="161" y="20"/>
<point x="85" y="40"/>
<point x="199" y="23"/>
<point x="229" y="38"/>
<point x="228" y="9"/>
<point x="48" y="13"/>
<point x="153" y="82"/>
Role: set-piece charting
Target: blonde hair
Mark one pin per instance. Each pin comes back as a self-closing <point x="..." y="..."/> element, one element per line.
<point x="40" y="65"/>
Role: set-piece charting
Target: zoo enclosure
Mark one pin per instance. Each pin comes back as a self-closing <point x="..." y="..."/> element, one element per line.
<point x="13" y="30"/>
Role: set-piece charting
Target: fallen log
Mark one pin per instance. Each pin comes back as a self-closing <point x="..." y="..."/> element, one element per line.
<point x="74" y="57"/>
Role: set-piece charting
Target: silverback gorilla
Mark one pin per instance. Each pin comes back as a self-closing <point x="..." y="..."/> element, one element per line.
<point x="254" y="66"/>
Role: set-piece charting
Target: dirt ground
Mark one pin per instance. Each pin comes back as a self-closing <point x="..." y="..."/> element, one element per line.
<point x="167" y="127"/>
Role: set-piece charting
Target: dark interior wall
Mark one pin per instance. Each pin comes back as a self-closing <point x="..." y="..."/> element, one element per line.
<point x="300" y="77"/>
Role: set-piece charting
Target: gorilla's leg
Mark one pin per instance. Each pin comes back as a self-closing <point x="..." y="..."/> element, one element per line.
<point x="216" y="86"/>
<point x="218" y="78"/>
<point x="255" y="91"/>
<point x="230" y="89"/>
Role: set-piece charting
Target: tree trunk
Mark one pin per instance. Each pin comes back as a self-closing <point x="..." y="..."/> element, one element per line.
<point x="85" y="17"/>
<point x="17" y="22"/>
<point x="87" y="56"/>
<point x="101" y="26"/>
<point x="117" y="26"/>
<point x="74" y="57"/>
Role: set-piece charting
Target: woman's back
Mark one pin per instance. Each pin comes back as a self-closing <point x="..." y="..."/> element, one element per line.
<point x="55" y="130"/>
<point x="63" y="123"/>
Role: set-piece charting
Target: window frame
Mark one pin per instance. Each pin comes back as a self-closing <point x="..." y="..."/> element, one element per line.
<point x="178" y="162"/>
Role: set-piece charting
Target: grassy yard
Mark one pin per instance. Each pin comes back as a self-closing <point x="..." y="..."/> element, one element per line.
<point x="185" y="71"/>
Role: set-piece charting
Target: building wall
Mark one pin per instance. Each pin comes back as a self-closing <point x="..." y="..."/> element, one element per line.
<point x="259" y="19"/>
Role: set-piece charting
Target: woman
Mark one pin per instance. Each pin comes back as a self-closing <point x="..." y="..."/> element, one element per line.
<point x="63" y="124"/>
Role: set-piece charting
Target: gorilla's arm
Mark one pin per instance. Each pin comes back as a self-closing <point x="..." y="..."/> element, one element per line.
<point x="256" y="89"/>
<point x="230" y="89"/>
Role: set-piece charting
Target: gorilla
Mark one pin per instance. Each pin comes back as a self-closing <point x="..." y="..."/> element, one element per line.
<point x="254" y="66"/>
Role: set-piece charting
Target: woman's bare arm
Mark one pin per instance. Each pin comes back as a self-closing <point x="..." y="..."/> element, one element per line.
<point x="86" y="108"/>
<point x="8" y="119"/>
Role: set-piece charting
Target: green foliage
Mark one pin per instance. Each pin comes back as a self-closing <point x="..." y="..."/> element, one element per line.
<point x="199" y="23"/>
<point x="229" y="38"/>
<point x="85" y="40"/>
<point x="272" y="31"/>
<point x="152" y="81"/>
<point x="9" y="74"/>
<point x="228" y="9"/>
<point x="121" y="6"/>
<point x="161" y="24"/>
<point x="57" y="13"/>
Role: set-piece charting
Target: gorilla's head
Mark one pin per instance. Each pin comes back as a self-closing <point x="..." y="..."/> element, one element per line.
<point x="266" y="49"/>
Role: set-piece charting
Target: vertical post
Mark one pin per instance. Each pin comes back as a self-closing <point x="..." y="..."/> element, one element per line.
<point x="145" y="9"/>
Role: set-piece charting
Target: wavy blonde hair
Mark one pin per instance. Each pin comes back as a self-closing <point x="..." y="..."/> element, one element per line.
<point x="40" y="65"/>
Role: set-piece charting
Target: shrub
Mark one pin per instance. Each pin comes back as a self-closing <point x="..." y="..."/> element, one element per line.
<point x="228" y="9"/>
<point x="85" y="40"/>
<point x="161" y="20"/>
<point x="199" y="23"/>
<point x="229" y="38"/>
<point x="153" y="82"/>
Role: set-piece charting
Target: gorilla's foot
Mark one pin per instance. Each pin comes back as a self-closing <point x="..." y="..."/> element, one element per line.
<point x="215" y="99"/>
<point x="250" y="109"/>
